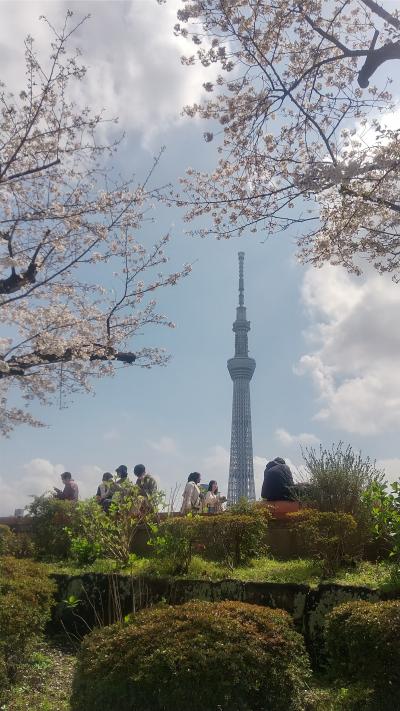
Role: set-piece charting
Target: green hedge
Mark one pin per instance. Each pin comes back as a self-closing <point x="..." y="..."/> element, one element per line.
<point x="230" y="538"/>
<point x="26" y="596"/>
<point x="202" y="656"/>
<point x="363" y="643"/>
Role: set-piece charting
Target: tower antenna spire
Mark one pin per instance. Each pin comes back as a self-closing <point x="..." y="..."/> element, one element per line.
<point x="241" y="368"/>
<point x="241" y="279"/>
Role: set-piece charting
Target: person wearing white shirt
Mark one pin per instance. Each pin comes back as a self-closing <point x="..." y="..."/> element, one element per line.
<point x="191" y="496"/>
<point x="213" y="501"/>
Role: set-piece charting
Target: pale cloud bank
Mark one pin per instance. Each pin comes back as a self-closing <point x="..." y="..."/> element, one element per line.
<point x="354" y="343"/>
<point x="303" y="439"/>
<point x="132" y="55"/>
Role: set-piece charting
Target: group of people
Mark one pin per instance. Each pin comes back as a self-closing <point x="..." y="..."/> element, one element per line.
<point x="277" y="486"/>
<point x="111" y="486"/>
<point x="197" y="500"/>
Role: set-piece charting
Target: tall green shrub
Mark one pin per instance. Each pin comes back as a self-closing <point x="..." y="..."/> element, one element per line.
<point x="50" y="519"/>
<point x="111" y="535"/>
<point x="337" y="478"/>
<point x="363" y="645"/>
<point x="227" y="656"/>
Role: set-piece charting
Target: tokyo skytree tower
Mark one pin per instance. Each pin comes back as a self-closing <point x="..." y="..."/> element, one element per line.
<point x="241" y="369"/>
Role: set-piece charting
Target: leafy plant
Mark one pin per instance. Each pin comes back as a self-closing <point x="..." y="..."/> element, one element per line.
<point x="226" y="656"/>
<point x="110" y="535"/>
<point x="384" y="507"/>
<point x="338" y="477"/>
<point x="50" y="519"/>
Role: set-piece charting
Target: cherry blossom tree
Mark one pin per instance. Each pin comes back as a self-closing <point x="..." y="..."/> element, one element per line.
<point x="304" y="144"/>
<point x="75" y="284"/>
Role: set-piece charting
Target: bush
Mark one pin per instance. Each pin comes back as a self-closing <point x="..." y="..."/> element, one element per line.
<point x="18" y="545"/>
<point x="338" y="477"/>
<point x="226" y="656"/>
<point x="230" y="538"/>
<point x="6" y="540"/>
<point x="363" y="645"/>
<point x="109" y="535"/>
<point x="326" y="536"/>
<point x="50" y="519"/>
<point x="26" y="595"/>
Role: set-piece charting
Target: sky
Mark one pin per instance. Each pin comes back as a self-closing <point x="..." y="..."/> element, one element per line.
<point x="326" y="343"/>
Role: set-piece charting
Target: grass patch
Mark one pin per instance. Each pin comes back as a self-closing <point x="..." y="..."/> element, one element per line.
<point x="378" y="575"/>
<point x="381" y="575"/>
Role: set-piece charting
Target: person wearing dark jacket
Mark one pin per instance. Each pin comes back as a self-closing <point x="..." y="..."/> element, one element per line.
<point x="278" y="481"/>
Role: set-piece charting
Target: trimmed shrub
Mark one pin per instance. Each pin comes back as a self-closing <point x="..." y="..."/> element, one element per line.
<point x="230" y="538"/>
<point x="327" y="536"/>
<point x="226" y="656"/>
<point x="18" y="545"/>
<point x="26" y="596"/>
<point x="363" y="645"/>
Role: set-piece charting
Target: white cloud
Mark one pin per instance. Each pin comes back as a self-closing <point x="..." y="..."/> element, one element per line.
<point x="34" y="478"/>
<point x="132" y="56"/>
<point x="39" y="476"/>
<point x="354" y="343"/>
<point x="290" y="440"/>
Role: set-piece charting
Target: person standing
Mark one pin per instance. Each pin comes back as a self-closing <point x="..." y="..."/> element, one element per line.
<point x="70" y="491"/>
<point x="191" y="496"/>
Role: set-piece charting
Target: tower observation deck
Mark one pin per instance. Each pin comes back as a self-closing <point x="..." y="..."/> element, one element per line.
<point x="241" y="368"/>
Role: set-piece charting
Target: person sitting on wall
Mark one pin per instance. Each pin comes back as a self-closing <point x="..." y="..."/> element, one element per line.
<point x="147" y="486"/>
<point x="70" y="491"/>
<point x="213" y="500"/>
<point x="191" y="496"/>
<point x="146" y="483"/>
<point x="122" y="472"/>
<point x="105" y="491"/>
<point x="278" y="480"/>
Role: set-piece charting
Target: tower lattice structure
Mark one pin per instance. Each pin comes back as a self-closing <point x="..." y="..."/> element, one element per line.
<point x="241" y="368"/>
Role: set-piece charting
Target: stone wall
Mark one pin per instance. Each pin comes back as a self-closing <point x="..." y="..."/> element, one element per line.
<point x="90" y="599"/>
